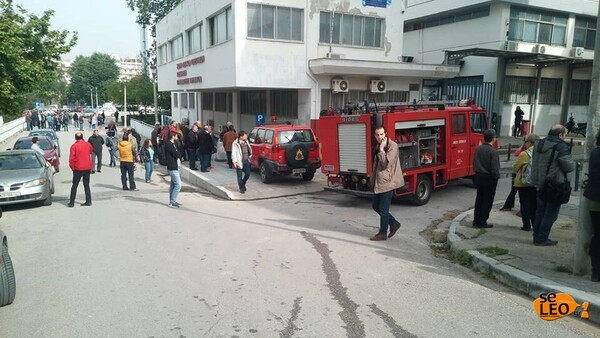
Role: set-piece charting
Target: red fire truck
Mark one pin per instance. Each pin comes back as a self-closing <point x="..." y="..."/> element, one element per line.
<point x="436" y="144"/>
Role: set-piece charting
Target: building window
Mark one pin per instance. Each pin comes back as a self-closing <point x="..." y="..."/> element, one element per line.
<point x="192" y="101"/>
<point x="162" y="54"/>
<point x="530" y="25"/>
<point x="519" y="90"/>
<point x="175" y="100"/>
<point x="194" y="36"/>
<point x="284" y="103"/>
<point x="207" y="101"/>
<point x="176" y="47"/>
<point x="252" y="102"/>
<point x="221" y="102"/>
<point x="270" y="22"/>
<point x="221" y="27"/>
<point x="353" y="97"/>
<point x="580" y="92"/>
<point x="353" y="30"/>
<point x="550" y="91"/>
<point x="445" y="19"/>
<point x="585" y="33"/>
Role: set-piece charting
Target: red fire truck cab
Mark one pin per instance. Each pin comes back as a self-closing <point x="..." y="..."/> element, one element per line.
<point x="436" y="145"/>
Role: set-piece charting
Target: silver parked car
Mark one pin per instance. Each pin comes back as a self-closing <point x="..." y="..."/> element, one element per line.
<point x="25" y="176"/>
<point x="8" y="286"/>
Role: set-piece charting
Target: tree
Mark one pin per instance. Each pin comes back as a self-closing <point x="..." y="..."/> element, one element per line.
<point x="140" y="90"/>
<point x="91" y="73"/>
<point x="29" y="56"/>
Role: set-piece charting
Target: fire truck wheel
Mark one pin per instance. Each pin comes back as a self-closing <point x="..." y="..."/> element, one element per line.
<point x="423" y="191"/>
<point x="265" y="173"/>
<point x="296" y="155"/>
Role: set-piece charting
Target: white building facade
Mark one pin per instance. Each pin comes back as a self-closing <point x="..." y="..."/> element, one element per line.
<point x="229" y="60"/>
<point x="537" y="53"/>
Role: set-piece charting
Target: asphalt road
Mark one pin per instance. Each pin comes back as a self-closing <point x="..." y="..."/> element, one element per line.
<point x="301" y="266"/>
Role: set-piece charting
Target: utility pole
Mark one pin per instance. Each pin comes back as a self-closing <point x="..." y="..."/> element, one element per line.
<point x="125" y="106"/>
<point x="154" y="84"/>
<point x="92" y="97"/>
<point x="96" y="88"/>
<point x="584" y="230"/>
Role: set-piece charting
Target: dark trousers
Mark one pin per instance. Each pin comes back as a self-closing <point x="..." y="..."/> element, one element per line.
<point x="528" y="198"/>
<point x="245" y="170"/>
<point x="97" y="156"/>
<point x="127" y="172"/>
<point x="510" y="200"/>
<point x="595" y="242"/>
<point x="204" y="161"/>
<point x="229" y="161"/>
<point x="517" y="128"/>
<point x="381" y="205"/>
<point x="545" y="216"/>
<point x="77" y="175"/>
<point x="192" y="157"/>
<point x="486" y="190"/>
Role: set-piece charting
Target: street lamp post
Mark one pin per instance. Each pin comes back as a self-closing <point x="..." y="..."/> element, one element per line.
<point x="125" y="106"/>
<point x="92" y="97"/>
<point x="96" y="88"/>
<point x="154" y="73"/>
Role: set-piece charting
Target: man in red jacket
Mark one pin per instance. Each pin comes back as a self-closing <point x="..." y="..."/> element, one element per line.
<point x="80" y="161"/>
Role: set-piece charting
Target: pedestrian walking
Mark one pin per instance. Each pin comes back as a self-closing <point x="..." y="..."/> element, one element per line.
<point x="192" y="146"/>
<point x="486" y="164"/>
<point x="386" y="178"/>
<point x="592" y="193"/>
<point x="551" y="163"/>
<point x="173" y="157"/>
<point x="527" y="191"/>
<point x="97" y="142"/>
<point x="147" y="158"/>
<point x="80" y="162"/>
<point x="228" y="139"/>
<point x="126" y="160"/>
<point x="518" y="121"/>
<point x="240" y="156"/>
<point x="111" y="144"/>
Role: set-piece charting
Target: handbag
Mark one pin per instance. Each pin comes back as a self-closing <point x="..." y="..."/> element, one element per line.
<point x="554" y="192"/>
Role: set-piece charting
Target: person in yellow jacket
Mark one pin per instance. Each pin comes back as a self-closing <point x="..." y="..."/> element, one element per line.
<point x="527" y="191"/>
<point x="126" y="158"/>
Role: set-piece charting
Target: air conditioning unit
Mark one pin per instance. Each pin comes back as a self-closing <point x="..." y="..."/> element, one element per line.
<point x="577" y="52"/>
<point x="377" y="86"/>
<point x="512" y="46"/>
<point x="540" y="49"/>
<point x="340" y="86"/>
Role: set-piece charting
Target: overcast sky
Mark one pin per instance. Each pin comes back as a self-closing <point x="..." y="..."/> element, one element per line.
<point x="106" y="26"/>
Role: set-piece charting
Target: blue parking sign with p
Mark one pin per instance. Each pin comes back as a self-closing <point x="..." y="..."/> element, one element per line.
<point x="260" y="119"/>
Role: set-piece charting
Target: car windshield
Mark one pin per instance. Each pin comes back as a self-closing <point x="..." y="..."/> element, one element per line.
<point x="289" y="136"/>
<point x="43" y="133"/>
<point x="19" y="161"/>
<point x="26" y="144"/>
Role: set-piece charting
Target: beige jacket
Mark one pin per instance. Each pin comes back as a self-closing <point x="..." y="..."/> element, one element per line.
<point x="387" y="174"/>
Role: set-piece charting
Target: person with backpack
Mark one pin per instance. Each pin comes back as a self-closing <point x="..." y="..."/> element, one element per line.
<point x="527" y="191"/>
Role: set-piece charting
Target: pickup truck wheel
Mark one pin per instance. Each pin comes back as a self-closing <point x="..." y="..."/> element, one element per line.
<point x="8" y="286"/>
<point x="423" y="191"/>
<point x="307" y="176"/>
<point x="265" y="173"/>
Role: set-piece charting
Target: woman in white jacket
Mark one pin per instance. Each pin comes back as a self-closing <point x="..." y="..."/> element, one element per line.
<point x="241" y="151"/>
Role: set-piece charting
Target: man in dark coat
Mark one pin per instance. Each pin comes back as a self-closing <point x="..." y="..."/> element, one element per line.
<point x="205" y="146"/>
<point x="486" y="164"/>
<point x="97" y="142"/>
<point x="192" y="146"/>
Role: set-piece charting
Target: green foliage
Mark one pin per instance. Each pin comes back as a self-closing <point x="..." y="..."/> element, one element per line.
<point x="493" y="251"/>
<point x="461" y="257"/>
<point x="29" y="53"/>
<point x="140" y="90"/>
<point x="91" y="73"/>
<point x="562" y="268"/>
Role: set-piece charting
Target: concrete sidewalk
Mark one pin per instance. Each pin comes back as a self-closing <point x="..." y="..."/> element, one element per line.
<point x="221" y="181"/>
<point x="507" y="252"/>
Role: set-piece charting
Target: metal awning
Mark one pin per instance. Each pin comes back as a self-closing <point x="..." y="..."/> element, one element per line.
<point x="517" y="57"/>
<point x="331" y="66"/>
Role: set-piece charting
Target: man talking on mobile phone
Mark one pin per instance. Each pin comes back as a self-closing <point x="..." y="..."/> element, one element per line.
<point x="387" y="177"/>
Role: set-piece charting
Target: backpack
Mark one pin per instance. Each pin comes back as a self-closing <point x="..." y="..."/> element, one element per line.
<point x="144" y="155"/>
<point x="526" y="171"/>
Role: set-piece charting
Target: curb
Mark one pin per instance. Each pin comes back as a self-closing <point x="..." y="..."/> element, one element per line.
<point x="519" y="280"/>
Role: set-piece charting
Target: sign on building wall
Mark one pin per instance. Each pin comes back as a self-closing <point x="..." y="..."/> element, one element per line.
<point x="377" y="3"/>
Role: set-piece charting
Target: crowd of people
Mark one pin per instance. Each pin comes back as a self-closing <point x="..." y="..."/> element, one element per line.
<point x="61" y="119"/>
